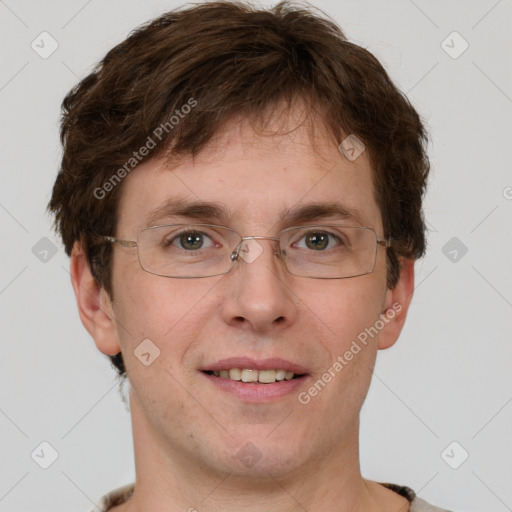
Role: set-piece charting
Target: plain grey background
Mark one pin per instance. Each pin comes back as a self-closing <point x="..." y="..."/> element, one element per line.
<point x="443" y="391"/>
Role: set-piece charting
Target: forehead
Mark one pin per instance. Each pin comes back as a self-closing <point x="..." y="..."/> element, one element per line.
<point x="253" y="177"/>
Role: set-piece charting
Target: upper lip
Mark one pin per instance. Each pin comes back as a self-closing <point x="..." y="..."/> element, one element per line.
<point x="274" y="363"/>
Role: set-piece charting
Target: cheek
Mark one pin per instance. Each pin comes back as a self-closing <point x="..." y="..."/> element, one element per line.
<point x="149" y="305"/>
<point x="156" y="318"/>
<point x="170" y="313"/>
<point x="341" y="309"/>
<point x="159" y="399"/>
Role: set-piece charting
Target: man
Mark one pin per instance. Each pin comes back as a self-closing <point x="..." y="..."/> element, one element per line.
<point x="240" y="195"/>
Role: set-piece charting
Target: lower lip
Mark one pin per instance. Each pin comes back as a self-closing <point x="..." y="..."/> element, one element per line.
<point x="257" y="392"/>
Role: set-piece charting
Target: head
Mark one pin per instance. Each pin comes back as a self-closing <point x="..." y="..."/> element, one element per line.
<point x="246" y="108"/>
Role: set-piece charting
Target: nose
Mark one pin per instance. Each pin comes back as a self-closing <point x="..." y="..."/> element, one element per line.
<point x="258" y="294"/>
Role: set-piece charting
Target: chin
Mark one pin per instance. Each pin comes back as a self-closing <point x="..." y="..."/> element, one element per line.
<point x="260" y="456"/>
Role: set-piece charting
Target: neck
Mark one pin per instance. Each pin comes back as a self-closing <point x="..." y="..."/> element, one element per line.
<point x="169" y="478"/>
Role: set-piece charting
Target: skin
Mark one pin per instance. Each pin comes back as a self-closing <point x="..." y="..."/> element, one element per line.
<point x="186" y="432"/>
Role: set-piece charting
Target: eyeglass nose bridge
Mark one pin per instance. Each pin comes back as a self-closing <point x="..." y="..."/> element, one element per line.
<point x="235" y="255"/>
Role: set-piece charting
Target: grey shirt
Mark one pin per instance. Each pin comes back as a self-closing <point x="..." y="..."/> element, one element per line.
<point x="121" y="494"/>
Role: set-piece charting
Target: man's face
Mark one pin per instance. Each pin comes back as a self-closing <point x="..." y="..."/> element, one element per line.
<point x="256" y="312"/>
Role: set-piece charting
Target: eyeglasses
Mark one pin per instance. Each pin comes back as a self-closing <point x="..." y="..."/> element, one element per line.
<point x="333" y="251"/>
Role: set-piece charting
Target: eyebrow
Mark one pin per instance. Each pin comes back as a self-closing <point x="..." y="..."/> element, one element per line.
<point x="177" y="207"/>
<point x="207" y="211"/>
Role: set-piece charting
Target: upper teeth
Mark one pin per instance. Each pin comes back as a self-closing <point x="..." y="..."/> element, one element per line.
<point x="248" y="375"/>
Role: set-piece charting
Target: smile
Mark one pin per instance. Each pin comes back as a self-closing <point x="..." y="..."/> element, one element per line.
<point x="254" y="376"/>
<point x="256" y="380"/>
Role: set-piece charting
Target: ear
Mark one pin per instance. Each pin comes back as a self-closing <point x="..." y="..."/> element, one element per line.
<point x="94" y="304"/>
<point x="396" y="305"/>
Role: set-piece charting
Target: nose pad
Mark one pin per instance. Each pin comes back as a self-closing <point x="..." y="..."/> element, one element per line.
<point x="277" y="252"/>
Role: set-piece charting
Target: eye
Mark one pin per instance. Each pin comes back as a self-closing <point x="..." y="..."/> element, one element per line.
<point x="189" y="240"/>
<point x="320" y="240"/>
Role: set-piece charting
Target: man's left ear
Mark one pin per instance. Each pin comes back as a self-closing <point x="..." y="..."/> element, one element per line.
<point x="396" y="305"/>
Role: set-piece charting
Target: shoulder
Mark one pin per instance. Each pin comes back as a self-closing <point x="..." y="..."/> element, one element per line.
<point x="416" y="504"/>
<point x="419" y="505"/>
<point x="114" y="498"/>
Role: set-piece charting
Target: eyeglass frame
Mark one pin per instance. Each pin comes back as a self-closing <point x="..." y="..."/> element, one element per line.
<point x="235" y="254"/>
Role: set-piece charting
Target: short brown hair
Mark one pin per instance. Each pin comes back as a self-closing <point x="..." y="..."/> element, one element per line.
<point x="232" y="59"/>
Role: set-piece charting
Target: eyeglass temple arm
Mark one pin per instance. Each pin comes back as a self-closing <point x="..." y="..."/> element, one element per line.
<point x="385" y="243"/>
<point x="123" y="243"/>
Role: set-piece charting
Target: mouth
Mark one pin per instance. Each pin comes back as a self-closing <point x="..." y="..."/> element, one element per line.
<point x="254" y="376"/>
<point x="256" y="380"/>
